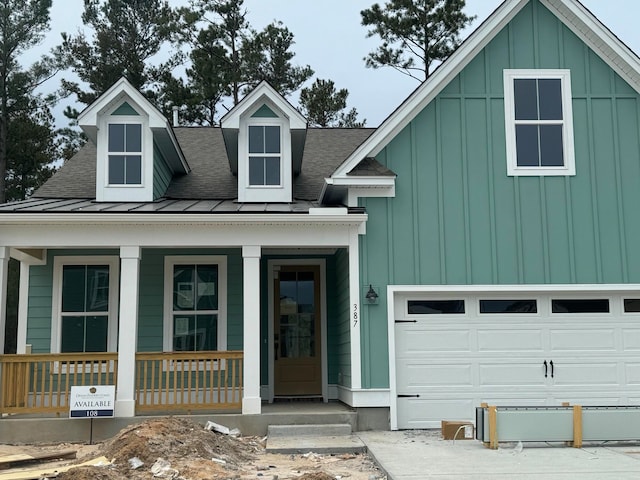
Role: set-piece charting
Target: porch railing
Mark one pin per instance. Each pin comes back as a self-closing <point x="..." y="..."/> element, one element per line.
<point x="187" y="381"/>
<point x="176" y="381"/>
<point x="40" y="383"/>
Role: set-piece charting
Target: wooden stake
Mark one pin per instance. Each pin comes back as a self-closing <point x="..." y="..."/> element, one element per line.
<point x="493" y="425"/>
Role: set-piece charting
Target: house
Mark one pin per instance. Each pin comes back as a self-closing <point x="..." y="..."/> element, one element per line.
<point x="476" y="247"/>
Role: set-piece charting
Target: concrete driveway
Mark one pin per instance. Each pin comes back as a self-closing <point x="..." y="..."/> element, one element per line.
<point x="413" y="455"/>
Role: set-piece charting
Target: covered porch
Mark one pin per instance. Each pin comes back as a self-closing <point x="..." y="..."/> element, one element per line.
<point x="142" y="360"/>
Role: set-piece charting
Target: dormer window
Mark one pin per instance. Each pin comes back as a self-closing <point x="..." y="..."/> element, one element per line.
<point x="265" y="155"/>
<point x="137" y="153"/>
<point x="125" y="154"/>
<point x="264" y="135"/>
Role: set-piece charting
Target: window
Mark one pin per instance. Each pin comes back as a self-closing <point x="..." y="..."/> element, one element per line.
<point x="264" y="155"/>
<point x="195" y="303"/>
<point x="435" y="307"/>
<point x="125" y="154"/>
<point x="631" y="305"/>
<point x="580" y="306"/>
<point x="85" y="304"/>
<point x="539" y="122"/>
<point x="508" y="306"/>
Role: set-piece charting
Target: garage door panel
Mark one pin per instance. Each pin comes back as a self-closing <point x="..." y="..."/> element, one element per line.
<point x="508" y="372"/>
<point x="420" y="340"/>
<point x="420" y="377"/>
<point x="586" y="373"/>
<point x="428" y="413"/>
<point x="585" y="339"/>
<point x="506" y="340"/>
<point x="631" y="339"/>
<point x="632" y="373"/>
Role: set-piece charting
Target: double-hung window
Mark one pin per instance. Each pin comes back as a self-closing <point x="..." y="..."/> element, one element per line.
<point x="125" y="154"/>
<point x="195" y="303"/>
<point x="539" y="122"/>
<point x="265" y="155"/>
<point x="85" y="304"/>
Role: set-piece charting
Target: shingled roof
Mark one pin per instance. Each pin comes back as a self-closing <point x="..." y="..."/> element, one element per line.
<point x="211" y="177"/>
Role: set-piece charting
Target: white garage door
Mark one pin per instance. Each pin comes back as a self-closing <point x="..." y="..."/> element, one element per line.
<point x="454" y="352"/>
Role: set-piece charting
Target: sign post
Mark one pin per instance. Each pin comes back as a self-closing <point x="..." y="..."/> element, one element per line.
<point x="92" y="402"/>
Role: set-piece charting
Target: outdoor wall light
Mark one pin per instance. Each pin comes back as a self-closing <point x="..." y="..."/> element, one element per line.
<point x="371" y="295"/>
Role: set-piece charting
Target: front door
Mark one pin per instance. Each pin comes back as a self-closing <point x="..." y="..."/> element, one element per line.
<point x="297" y="365"/>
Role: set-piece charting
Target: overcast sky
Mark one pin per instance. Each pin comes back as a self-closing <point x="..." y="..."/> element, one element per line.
<point x="330" y="38"/>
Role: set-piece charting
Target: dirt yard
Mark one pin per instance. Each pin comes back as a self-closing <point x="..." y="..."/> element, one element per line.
<point x="177" y="448"/>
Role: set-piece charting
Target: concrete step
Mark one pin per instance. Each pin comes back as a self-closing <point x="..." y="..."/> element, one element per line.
<point x="322" y="439"/>
<point x="322" y="445"/>
<point x="317" y="430"/>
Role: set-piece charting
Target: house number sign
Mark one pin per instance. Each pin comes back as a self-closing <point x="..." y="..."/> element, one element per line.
<point x="355" y="314"/>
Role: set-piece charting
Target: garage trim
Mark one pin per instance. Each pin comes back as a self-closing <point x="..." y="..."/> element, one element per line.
<point x="394" y="290"/>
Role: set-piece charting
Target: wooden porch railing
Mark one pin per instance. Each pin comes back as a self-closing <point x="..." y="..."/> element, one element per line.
<point x="186" y="381"/>
<point x="176" y="381"/>
<point x="40" y="383"/>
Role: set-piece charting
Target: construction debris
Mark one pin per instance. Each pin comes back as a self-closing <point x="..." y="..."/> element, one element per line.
<point x="180" y="449"/>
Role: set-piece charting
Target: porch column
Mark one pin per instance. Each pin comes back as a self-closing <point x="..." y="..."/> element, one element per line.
<point x="23" y="307"/>
<point x="251" y="402"/>
<point x="355" y="313"/>
<point x="127" y="331"/>
<point x="4" y="267"/>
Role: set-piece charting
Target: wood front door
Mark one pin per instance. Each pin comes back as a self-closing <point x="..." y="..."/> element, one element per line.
<point x="298" y="359"/>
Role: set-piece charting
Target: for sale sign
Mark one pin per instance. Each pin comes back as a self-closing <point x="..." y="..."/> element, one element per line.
<point x="92" y="402"/>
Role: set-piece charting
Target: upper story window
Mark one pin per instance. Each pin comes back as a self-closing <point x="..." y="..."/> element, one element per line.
<point x="125" y="154"/>
<point x="539" y="122"/>
<point x="265" y="151"/>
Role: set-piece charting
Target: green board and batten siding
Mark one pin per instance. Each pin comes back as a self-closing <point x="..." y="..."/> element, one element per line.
<point x="457" y="218"/>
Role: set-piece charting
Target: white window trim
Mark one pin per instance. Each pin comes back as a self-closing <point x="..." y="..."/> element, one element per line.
<point x="113" y="261"/>
<point x="265" y="155"/>
<point x="264" y="193"/>
<point x="169" y="262"/>
<point x="128" y="121"/>
<point x="513" y="169"/>
<point x="106" y="192"/>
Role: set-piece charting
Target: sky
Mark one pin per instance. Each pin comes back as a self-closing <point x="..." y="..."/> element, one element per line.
<point x="330" y="38"/>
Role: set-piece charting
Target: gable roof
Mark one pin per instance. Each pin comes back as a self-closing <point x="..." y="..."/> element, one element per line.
<point x="570" y="12"/>
<point x="123" y="92"/>
<point x="264" y="92"/>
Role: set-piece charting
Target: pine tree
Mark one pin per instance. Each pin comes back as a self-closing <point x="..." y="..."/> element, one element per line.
<point x="324" y="106"/>
<point x="415" y="34"/>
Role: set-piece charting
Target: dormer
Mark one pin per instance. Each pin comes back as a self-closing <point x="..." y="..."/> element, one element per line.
<point x="264" y="135"/>
<point x="136" y="151"/>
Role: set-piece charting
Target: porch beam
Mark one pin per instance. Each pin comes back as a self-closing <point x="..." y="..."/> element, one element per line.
<point x="251" y="401"/>
<point x="128" y="331"/>
<point x="4" y="268"/>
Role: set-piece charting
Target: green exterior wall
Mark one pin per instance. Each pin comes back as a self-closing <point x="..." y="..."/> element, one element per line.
<point x="161" y="174"/>
<point x="457" y="218"/>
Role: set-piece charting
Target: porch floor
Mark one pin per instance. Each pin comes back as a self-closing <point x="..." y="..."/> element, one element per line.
<point x="30" y="429"/>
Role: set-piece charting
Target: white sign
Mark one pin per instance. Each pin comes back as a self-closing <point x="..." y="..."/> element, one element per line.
<point x="92" y="402"/>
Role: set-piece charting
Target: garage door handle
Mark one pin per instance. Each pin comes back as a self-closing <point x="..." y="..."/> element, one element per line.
<point x="551" y="363"/>
<point x="545" y="368"/>
<point x="408" y="396"/>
